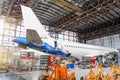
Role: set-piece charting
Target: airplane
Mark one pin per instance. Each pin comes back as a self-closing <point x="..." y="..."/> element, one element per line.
<point x="38" y="38"/>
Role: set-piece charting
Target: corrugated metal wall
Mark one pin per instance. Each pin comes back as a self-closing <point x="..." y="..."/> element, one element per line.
<point x="112" y="41"/>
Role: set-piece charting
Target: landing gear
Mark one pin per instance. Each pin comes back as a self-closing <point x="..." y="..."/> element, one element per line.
<point x="73" y="78"/>
<point x="82" y="78"/>
<point x="69" y="54"/>
<point x="100" y="78"/>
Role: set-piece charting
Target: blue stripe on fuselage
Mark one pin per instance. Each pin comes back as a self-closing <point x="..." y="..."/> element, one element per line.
<point x="45" y="46"/>
<point x="48" y="48"/>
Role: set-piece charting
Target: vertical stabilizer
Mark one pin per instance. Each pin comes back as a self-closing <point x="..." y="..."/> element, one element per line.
<point x="34" y="28"/>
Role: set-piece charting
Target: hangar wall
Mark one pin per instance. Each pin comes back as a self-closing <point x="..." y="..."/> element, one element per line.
<point x="7" y="32"/>
<point x="66" y="35"/>
<point x="112" y="41"/>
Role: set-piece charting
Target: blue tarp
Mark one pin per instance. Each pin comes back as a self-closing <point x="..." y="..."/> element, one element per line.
<point x="70" y="65"/>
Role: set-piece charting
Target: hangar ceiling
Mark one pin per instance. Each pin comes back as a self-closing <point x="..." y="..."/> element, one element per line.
<point x="89" y="18"/>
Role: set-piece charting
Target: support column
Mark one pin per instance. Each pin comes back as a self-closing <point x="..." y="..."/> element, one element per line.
<point x="81" y="40"/>
<point x="1" y="6"/>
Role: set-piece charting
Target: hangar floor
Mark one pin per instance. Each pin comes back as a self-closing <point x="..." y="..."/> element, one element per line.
<point x="10" y="76"/>
<point x="34" y="75"/>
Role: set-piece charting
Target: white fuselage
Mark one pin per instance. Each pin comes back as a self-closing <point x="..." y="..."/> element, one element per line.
<point x="79" y="49"/>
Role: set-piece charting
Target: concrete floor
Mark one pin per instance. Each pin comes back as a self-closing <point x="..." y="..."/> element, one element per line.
<point x="10" y="76"/>
<point x="34" y="75"/>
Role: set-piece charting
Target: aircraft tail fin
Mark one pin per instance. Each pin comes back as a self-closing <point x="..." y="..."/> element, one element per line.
<point x="34" y="29"/>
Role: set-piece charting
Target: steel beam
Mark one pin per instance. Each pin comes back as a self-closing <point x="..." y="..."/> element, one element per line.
<point x="106" y="29"/>
<point x="63" y="2"/>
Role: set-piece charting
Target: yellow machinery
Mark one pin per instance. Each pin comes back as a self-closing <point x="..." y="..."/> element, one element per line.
<point x="101" y="72"/>
<point x="93" y="76"/>
<point x="59" y="73"/>
<point x="101" y="76"/>
<point x="115" y="71"/>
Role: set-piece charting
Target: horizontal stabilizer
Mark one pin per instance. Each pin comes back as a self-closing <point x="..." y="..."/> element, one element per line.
<point x="33" y="37"/>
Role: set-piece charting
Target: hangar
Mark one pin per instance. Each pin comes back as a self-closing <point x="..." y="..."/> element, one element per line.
<point x="92" y="24"/>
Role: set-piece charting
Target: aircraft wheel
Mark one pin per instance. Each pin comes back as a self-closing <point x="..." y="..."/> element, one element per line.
<point x="116" y="77"/>
<point x="82" y="78"/>
<point x="100" y="78"/>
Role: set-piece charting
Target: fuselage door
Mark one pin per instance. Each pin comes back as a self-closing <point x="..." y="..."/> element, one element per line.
<point x="59" y="45"/>
<point x="55" y="44"/>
